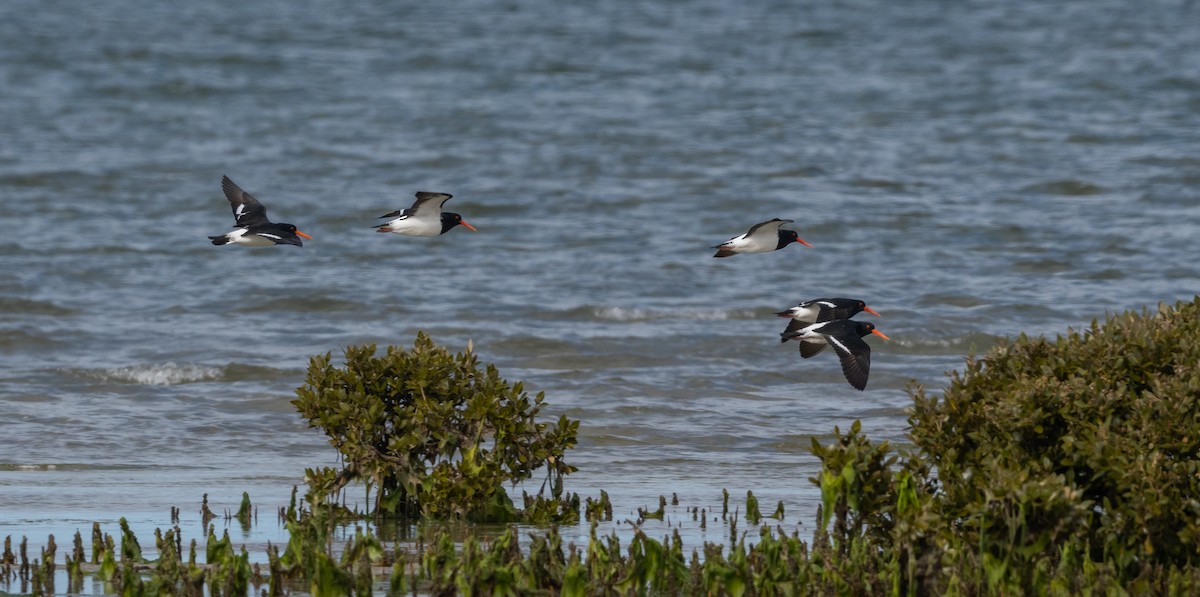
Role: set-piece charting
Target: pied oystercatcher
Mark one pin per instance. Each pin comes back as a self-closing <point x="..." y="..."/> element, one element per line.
<point x="846" y="338"/>
<point x="761" y="238"/>
<point x="253" y="228"/>
<point x="424" y="218"/>
<point x="823" y="309"/>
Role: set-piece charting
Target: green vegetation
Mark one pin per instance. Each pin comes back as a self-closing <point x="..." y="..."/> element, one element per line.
<point x="1073" y="462"/>
<point x="1047" y="467"/>
<point x="1057" y="467"/>
<point x="435" y="436"/>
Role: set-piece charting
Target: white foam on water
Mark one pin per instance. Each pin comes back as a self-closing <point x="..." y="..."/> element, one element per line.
<point x="161" y="374"/>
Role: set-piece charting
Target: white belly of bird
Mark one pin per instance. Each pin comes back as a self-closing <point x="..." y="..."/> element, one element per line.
<point x="808" y="313"/>
<point x="239" y="237"/>
<point x="752" y="244"/>
<point x="410" y="226"/>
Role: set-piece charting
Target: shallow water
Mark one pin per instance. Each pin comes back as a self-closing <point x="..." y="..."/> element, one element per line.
<point x="971" y="170"/>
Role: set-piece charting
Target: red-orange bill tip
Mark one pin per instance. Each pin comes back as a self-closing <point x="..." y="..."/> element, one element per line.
<point x="801" y="241"/>
<point x="468" y="226"/>
<point x="298" y="233"/>
<point x="871" y="311"/>
<point x="880" y="334"/>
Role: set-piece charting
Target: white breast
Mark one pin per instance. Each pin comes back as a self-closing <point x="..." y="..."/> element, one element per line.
<point x="410" y="226"/>
<point x="240" y="237"/>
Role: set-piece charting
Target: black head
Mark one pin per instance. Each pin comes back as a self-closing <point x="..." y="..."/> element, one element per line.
<point x="847" y="308"/>
<point x="861" y="306"/>
<point x="866" y="328"/>
<point x="291" y="235"/>
<point x="451" y="219"/>
<point x="787" y="237"/>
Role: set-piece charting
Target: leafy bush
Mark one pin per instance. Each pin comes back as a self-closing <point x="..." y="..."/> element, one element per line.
<point x="433" y="434"/>
<point x="1094" y="437"/>
<point x="1047" y="467"/>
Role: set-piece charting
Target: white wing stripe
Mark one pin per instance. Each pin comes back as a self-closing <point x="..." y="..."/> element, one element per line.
<point x="841" y="348"/>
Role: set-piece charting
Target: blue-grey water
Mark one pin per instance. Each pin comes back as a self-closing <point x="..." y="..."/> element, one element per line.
<point x="973" y="170"/>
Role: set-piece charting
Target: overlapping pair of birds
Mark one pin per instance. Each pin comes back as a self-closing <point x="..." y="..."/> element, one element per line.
<point x="814" y="324"/>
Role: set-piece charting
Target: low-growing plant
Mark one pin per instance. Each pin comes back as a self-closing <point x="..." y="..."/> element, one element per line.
<point x="434" y="434"/>
<point x="1094" y="436"/>
<point x="1048" y="467"/>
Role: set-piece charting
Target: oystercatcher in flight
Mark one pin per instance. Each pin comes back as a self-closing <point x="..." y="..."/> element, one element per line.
<point x="253" y="228"/>
<point x="846" y="338"/>
<point x="823" y="309"/>
<point x="762" y="238"/>
<point x="424" y="218"/>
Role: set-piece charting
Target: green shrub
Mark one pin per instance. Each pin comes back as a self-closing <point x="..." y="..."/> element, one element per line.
<point x="1066" y="466"/>
<point x="1093" y="436"/>
<point x="433" y="434"/>
<point x="1048" y="466"/>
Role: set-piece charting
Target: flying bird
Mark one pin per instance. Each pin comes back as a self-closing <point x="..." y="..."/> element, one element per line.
<point x="823" y="309"/>
<point x="846" y="338"/>
<point x="761" y="238"/>
<point x="253" y="229"/>
<point x="424" y="218"/>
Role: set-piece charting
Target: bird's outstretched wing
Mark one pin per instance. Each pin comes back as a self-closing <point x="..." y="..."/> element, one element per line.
<point x="855" y="355"/>
<point x="771" y="226"/>
<point x="427" y="205"/>
<point x="247" y="211"/>
<point x="809" y="350"/>
<point x="793" y="326"/>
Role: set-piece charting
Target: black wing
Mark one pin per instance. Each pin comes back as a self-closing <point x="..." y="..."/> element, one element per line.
<point x="809" y="350"/>
<point x="792" y="327"/>
<point x="776" y="223"/>
<point x="429" y="204"/>
<point x="829" y="309"/>
<point x="399" y="213"/>
<point x="247" y="211"/>
<point x="288" y="239"/>
<point x="855" y="355"/>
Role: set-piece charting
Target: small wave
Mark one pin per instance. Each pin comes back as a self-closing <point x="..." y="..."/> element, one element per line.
<point x="68" y="466"/>
<point x="157" y="374"/>
<point x="48" y="178"/>
<point x="239" y="372"/>
<point x="1069" y="187"/>
<point x="305" y="304"/>
<point x="645" y="314"/>
<point x="878" y="183"/>
<point x="974" y="342"/>
<point x="171" y="373"/>
<point x="13" y="306"/>
<point x="20" y="340"/>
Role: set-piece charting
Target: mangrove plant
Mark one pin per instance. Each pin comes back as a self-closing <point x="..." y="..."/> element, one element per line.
<point x="434" y="434"/>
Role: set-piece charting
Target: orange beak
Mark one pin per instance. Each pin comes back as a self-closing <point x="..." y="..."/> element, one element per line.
<point x="467" y="226"/>
<point x="880" y="334"/>
<point x="871" y="311"/>
<point x="801" y="241"/>
<point x="298" y="233"/>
